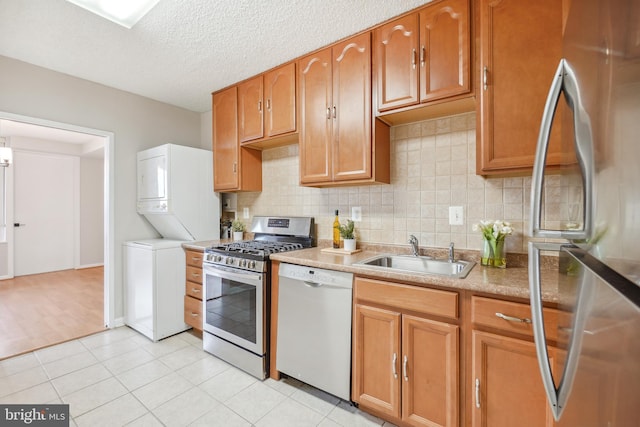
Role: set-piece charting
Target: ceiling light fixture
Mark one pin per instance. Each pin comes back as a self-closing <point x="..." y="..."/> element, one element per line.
<point x="123" y="12"/>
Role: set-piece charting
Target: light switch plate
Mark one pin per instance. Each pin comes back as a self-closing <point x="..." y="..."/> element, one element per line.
<point x="356" y="213"/>
<point x="245" y="213"/>
<point x="456" y="215"/>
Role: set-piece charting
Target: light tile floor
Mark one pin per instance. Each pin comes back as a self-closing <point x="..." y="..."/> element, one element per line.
<point x="119" y="377"/>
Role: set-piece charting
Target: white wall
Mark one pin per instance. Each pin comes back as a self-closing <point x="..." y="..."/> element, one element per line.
<point x="91" y="211"/>
<point x="138" y="123"/>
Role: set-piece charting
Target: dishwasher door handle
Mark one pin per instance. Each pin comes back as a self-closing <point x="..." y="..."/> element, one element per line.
<point x="312" y="284"/>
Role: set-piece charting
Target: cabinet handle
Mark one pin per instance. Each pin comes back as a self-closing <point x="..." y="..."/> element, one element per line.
<point x="477" y="393"/>
<point x="195" y="290"/>
<point x="393" y="366"/>
<point x="196" y="259"/>
<point x="423" y="54"/>
<point x="195" y="275"/>
<point x="328" y="113"/>
<point x="413" y="59"/>
<point x="235" y="167"/>
<point x="259" y="105"/>
<point x="334" y="111"/>
<point x="268" y="104"/>
<point x="513" y="319"/>
<point x="194" y="314"/>
<point x="484" y="78"/>
<point x="404" y="368"/>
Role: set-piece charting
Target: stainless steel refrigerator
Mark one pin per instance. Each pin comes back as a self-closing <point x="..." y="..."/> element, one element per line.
<point x="591" y="218"/>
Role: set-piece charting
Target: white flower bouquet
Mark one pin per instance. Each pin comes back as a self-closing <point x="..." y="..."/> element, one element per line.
<point x="493" y="233"/>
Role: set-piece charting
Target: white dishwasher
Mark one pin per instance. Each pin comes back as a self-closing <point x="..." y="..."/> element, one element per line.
<point x="314" y="327"/>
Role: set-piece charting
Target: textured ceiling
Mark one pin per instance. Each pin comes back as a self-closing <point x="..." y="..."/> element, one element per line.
<point x="183" y="49"/>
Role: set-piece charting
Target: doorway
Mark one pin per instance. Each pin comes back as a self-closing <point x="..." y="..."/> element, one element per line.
<point x="105" y="140"/>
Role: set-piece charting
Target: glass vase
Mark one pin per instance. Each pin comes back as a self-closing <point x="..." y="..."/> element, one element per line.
<point x="493" y="253"/>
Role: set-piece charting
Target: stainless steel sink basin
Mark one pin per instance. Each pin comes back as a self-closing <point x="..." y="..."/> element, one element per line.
<point x="423" y="265"/>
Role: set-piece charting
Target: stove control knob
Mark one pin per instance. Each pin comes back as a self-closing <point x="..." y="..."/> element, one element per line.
<point x="242" y="263"/>
<point x="230" y="261"/>
<point x="252" y="264"/>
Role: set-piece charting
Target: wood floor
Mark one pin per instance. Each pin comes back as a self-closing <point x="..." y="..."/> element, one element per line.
<point x="44" y="309"/>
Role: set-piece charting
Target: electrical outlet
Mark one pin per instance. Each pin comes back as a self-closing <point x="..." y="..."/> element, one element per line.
<point x="456" y="215"/>
<point x="356" y="213"/>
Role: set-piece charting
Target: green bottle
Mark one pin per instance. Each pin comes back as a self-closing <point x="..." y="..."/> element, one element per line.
<point x="336" y="231"/>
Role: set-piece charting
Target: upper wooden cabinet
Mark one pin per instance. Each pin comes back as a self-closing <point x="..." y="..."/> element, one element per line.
<point x="520" y="47"/>
<point x="267" y="107"/>
<point x="424" y="56"/>
<point x="340" y="142"/>
<point x="235" y="168"/>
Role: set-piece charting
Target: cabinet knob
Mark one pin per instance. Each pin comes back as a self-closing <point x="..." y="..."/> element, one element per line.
<point x="513" y="319"/>
<point x="404" y="368"/>
<point x="393" y="365"/>
<point x="485" y="83"/>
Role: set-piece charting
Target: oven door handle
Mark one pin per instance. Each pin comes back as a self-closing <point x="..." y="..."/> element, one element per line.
<point x="225" y="273"/>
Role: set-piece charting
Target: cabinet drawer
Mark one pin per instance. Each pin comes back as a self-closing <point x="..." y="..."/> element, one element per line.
<point x="408" y="297"/>
<point x="193" y="290"/>
<point x="194" y="274"/>
<point x="516" y="317"/>
<point x="193" y="312"/>
<point x="194" y="258"/>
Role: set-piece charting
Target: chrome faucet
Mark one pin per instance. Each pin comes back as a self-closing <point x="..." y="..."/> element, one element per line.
<point x="413" y="240"/>
<point x="451" y="253"/>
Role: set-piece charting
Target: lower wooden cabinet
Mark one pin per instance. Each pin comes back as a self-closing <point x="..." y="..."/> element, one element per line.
<point x="405" y="367"/>
<point x="506" y="383"/>
<point x="193" y="290"/>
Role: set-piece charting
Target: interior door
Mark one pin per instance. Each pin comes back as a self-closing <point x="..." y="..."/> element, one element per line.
<point x="45" y="199"/>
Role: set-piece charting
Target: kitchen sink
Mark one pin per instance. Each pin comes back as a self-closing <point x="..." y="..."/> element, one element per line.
<point x="419" y="264"/>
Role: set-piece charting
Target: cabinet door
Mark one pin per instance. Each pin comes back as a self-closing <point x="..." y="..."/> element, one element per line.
<point x="376" y="359"/>
<point x="225" y="140"/>
<point x="507" y="389"/>
<point x="315" y="117"/>
<point x="444" y="50"/>
<point x="280" y="100"/>
<point x="430" y="372"/>
<point x="351" y="110"/>
<point x="396" y="61"/>
<point x="516" y="70"/>
<point x="250" y="110"/>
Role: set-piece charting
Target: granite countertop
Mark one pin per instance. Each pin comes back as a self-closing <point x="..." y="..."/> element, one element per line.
<point x="512" y="281"/>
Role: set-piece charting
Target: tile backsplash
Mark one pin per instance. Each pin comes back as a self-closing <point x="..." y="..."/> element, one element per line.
<point x="432" y="167"/>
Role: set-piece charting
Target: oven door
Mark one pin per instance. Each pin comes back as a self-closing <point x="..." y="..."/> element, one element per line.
<point x="234" y="307"/>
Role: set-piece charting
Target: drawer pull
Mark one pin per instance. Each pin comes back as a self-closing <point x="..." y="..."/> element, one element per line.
<point x="194" y="314"/>
<point x="404" y="368"/>
<point x="196" y="259"/>
<point x="393" y="366"/>
<point x="513" y="319"/>
<point x="195" y="275"/>
<point x="195" y="290"/>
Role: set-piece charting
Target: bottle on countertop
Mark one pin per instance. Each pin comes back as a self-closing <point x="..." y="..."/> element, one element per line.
<point x="336" y="232"/>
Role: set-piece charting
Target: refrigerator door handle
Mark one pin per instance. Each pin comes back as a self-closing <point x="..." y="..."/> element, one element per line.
<point x="564" y="81"/>
<point x="537" y="321"/>
<point x="557" y="396"/>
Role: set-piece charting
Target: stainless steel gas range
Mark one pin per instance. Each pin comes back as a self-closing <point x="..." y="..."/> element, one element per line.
<point x="236" y="278"/>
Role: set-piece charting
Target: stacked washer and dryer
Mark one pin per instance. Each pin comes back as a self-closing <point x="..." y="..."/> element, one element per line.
<point x="175" y="194"/>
